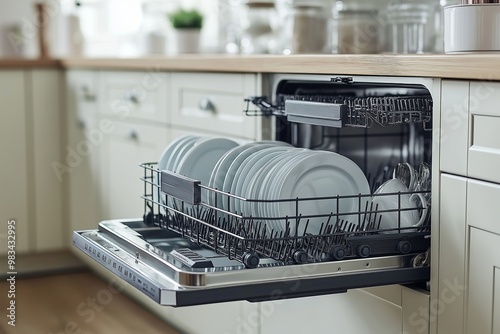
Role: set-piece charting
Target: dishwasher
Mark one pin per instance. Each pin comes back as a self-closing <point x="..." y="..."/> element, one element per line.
<point x="188" y="251"/>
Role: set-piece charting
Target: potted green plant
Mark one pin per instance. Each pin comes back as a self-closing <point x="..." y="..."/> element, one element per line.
<point x="187" y="25"/>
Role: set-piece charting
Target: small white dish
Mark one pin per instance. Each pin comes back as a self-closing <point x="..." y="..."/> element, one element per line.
<point x="405" y="218"/>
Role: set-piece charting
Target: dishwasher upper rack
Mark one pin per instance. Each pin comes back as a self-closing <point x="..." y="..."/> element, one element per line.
<point x="247" y="239"/>
<point x="361" y="112"/>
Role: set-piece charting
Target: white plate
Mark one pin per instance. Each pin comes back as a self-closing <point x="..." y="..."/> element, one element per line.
<point x="280" y="173"/>
<point x="322" y="174"/>
<point x="220" y="171"/>
<point x="268" y="190"/>
<point x="162" y="162"/>
<point x="183" y="149"/>
<point x="255" y="185"/>
<point x="249" y="178"/>
<point x="188" y="141"/>
<point x="231" y="171"/>
<point x="242" y="174"/>
<point x="200" y="160"/>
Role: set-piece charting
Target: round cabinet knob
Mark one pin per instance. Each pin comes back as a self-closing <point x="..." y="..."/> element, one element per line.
<point x="80" y="124"/>
<point x="87" y="94"/>
<point x="206" y="104"/>
<point x="132" y="97"/>
<point x="133" y="135"/>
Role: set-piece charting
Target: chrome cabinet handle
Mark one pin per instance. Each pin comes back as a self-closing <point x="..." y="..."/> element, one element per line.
<point x="206" y="104"/>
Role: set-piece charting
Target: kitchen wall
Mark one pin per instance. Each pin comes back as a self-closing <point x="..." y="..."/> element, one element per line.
<point x="109" y="27"/>
<point x="22" y="13"/>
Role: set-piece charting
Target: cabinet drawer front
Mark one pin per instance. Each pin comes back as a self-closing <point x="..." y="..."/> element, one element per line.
<point x="82" y="92"/>
<point x="124" y="148"/>
<point x="134" y="95"/>
<point x="482" y="205"/>
<point x="484" y="140"/>
<point x="213" y="102"/>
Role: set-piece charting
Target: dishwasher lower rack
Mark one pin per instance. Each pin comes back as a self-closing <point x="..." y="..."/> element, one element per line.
<point x="175" y="204"/>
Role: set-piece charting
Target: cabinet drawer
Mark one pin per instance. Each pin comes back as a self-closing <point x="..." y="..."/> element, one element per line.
<point x="214" y="102"/>
<point x="81" y="90"/>
<point x="482" y="205"/>
<point x="484" y="142"/>
<point x="124" y="148"/>
<point x="134" y="95"/>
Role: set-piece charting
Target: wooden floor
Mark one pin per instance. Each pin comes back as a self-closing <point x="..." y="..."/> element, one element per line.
<point x="75" y="303"/>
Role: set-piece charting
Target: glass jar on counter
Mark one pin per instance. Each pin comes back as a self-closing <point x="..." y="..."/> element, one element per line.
<point x="357" y="26"/>
<point x="411" y="27"/>
<point x="258" y="25"/>
<point x="308" y="27"/>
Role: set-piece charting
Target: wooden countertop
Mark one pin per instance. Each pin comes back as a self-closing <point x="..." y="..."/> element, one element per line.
<point x="8" y="63"/>
<point x="465" y="66"/>
<point x="471" y="66"/>
<point x="76" y="303"/>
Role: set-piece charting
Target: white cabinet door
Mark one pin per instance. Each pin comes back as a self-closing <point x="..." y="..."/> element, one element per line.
<point x="47" y="139"/>
<point x="450" y="305"/>
<point x="85" y="138"/>
<point x="484" y="282"/>
<point x="14" y="167"/>
<point x="125" y="146"/>
<point x="484" y="262"/>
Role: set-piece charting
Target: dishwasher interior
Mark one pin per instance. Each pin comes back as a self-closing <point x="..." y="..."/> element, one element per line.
<point x="192" y="247"/>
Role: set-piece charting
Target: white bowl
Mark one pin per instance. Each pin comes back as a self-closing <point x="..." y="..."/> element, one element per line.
<point x="472" y="28"/>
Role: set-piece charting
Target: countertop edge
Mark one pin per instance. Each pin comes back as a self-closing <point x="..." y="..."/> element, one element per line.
<point x="464" y="66"/>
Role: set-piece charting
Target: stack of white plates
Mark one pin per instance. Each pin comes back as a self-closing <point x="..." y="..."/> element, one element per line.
<point x="195" y="157"/>
<point x="271" y="171"/>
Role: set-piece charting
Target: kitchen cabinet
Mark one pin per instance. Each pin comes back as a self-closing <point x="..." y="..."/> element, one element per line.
<point x="483" y="315"/>
<point x="484" y="119"/>
<point x="125" y="146"/>
<point x="31" y="141"/>
<point x="85" y="136"/>
<point x="357" y="311"/>
<point x="452" y="254"/>
<point x="213" y="103"/>
<point x="483" y="299"/>
<point x="49" y="227"/>
<point x="468" y="205"/>
<point x="134" y="111"/>
<point x="14" y="167"/>
<point x="134" y="96"/>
